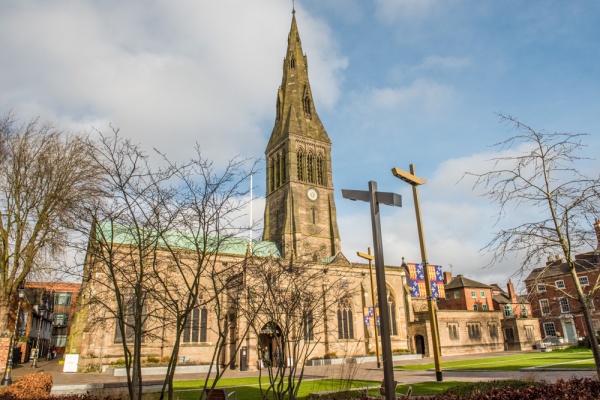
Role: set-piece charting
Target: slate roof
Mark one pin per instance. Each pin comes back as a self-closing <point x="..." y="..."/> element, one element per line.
<point x="460" y="281"/>
<point x="560" y="269"/>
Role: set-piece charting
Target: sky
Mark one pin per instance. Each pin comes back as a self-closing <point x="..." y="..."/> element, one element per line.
<point x="395" y="82"/>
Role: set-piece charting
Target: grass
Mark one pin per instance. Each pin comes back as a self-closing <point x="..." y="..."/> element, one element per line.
<point x="568" y="358"/>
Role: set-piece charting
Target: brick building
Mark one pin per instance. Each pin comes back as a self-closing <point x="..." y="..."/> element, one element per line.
<point x="553" y="298"/>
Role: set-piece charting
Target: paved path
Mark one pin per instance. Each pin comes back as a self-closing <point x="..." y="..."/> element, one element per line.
<point x="365" y="371"/>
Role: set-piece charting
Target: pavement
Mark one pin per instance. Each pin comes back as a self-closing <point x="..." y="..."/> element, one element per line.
<point x="81" y="382"/>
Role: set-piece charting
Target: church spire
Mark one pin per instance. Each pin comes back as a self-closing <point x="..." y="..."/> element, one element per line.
<point x="300" y="210"/>
<point x="296" y="113"/>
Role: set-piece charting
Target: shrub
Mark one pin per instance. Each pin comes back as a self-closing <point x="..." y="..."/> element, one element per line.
<point x="329" y="355"/>
<point x="153" y="360"/>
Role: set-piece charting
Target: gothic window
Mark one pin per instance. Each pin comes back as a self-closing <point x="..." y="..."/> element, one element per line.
<point x="392" y="314"/>
<point x="283" y="168"/>
<point x="278" y="113"/>
<point x="271" y="174"/>
<point x="306" y="105"/>
<point x="309" y="167"/>
<point x="277" y="171"/>
<point x="345" y="323"/>
<point x="129" y="320"/>
<point x="300" y="164"/>
<point x="493" y="330"/>
<point x="474" y="331"/>
<point x="320" y="178"/>
<point x="195" y="328"/>
<point x="453" y="331"/>
<point x="308" y="325"/>
<point x="293" y="62"/>
<point x="314" y="215"/>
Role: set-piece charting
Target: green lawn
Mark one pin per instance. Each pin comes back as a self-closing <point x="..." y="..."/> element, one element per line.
<point x="555" y="359"/>
<point x="247" y="388"/>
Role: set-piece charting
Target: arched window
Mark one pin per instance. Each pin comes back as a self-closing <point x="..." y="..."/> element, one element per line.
<point x="314" y="215"/>
<point x="308" y="326"/>
<point x="300" y="164"/>
<point x="195" y="328"/>
<point x="345" y="322"/>
<point x="392" y="314"/>
<point x="320" y="178"/>
<point x="283" y="168"/>
<point x="277" y="171"/>
<point x="293" y="62"/>
<point x="309" y="167"/>
<point x="271" y="175"/>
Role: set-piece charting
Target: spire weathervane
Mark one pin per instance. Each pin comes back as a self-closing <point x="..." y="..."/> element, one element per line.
<point x="293" y="6"/>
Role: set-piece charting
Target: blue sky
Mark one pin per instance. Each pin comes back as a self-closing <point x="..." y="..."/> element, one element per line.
<point x="395" y="83"/>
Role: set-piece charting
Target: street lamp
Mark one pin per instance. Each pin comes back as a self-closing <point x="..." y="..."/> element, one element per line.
<point x="369" y="257"/>
<point x="414" y="181"/>
<point x="374" y="198"/>
<point x="7" y="380"/>
<point x="41" y="308"/>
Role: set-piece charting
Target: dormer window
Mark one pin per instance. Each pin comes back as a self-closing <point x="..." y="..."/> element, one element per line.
<point x="306" y="105"/>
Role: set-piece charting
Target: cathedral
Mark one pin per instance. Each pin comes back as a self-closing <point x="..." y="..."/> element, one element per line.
<point x="299" y="257"/>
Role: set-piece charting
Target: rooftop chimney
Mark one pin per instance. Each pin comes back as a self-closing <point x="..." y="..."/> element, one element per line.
<point x="447" y="277"/>
<point x="511" y="291"/>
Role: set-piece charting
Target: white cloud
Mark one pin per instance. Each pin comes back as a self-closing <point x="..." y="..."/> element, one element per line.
<point x="167" y="74"/>
<point x="423" y="95"/>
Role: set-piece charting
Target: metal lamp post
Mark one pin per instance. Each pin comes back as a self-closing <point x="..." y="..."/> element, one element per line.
<point x="414" y="181"/>
<point x="374" y="198"/>
<point x="36" y="355"/>
<point x="369" y="257"/>
<point x="7" y="380"/>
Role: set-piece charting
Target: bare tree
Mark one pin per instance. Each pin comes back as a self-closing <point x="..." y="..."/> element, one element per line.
<point x="46" y="178"/>
<point x="125" y="245"/>
<point x="202" y="223"/>
<point x="542" y="171"/>
<point x="289" y="302"/>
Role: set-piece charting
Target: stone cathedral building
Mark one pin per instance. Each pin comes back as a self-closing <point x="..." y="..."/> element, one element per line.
<point x="300" y="224"/>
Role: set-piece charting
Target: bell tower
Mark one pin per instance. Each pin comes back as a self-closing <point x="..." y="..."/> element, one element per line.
<point x="300" y="210"/>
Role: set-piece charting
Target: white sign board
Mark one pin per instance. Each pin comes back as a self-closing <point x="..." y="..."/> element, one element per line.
<point x="71" y="361"/>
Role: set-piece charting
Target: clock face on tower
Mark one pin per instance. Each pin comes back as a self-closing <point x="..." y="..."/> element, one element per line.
<point x="312" y="194"/>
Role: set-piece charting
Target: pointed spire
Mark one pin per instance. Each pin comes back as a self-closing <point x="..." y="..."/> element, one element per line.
<point x="296" y="113"/>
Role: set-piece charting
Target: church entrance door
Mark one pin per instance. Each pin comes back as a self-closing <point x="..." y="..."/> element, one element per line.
<point x="270" y="350"/>
<point x="420" y="344"/>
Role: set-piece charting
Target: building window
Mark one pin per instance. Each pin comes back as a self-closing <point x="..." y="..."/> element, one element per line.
<point x="456" y="294"/>
<point x="306" y="103"/>
<point x="59" y="341"/>
<point x="320" y="178"/>
<point x="196" y="325"/>
<point x="508" y="311"/>
<point x="545" y="306"/>
<point x="60" y="319"/>
<point x="560" y="284"/>
<point x="475" y="307"/>
<point x="473" y="294"/>
<point x="447" y="296"/>
<point x="484" y="307"/>
<point x="64" y="299"/>
<point x="293" y="62"/>
<point x="523" y="311"/>
<point x="529" y="332"/>
<point x="474" y="331"/>
<point x="309" y="168"/>
<point x="584" y="281"/>
<point x="392" y="314"/>
<point x="129" y="321"/>
<point x="344" y="284"/>
<point x="564" y="305"/>
<point x="493" y="330"/>
<point x="482" y="294"/>
<point x="541" y="287"/>
<point x="549" y="329"/>
<point x="345" y="323"/>
<point x="309" y="326"/>
<point x="300" y="164"/>
<point x="453" y="331"/>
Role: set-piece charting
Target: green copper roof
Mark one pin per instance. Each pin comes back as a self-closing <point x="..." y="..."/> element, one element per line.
<point x="122" y="234"/>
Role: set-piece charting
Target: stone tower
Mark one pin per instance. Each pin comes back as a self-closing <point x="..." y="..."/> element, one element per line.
<point x="300" y="211"/>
